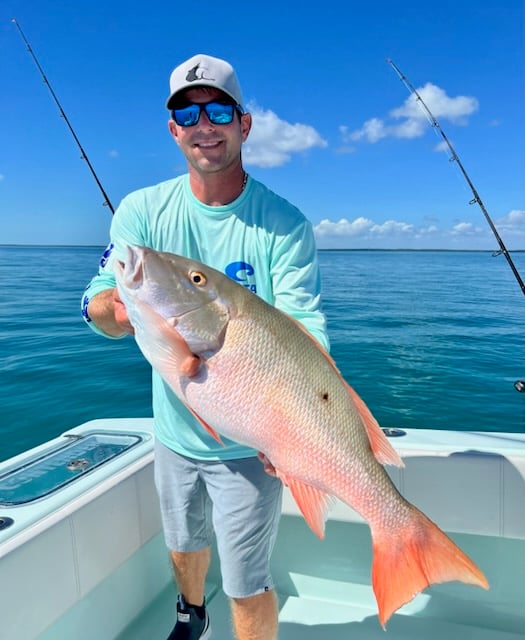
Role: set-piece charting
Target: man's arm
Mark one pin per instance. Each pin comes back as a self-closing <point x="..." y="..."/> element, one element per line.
<point x="108" y="313"/>
<point x="297" y="282"/>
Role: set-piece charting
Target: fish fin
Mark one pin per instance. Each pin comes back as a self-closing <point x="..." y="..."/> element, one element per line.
<point x="162" y="345"/>
<point x="383" y="451"/>
<point x="312" y="502"/>
<point x="409" y="559"/>
<point x="209" y="429"/>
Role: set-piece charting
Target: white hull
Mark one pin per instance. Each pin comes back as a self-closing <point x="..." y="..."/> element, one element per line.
<point x="88" y="560"/>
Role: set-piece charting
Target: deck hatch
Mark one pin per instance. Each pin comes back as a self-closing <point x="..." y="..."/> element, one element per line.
<point x="42" y="474"/>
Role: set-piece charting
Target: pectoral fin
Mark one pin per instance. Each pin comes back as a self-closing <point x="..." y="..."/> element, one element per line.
<point x="162" y="345"/>
<point x="211" y="431"/>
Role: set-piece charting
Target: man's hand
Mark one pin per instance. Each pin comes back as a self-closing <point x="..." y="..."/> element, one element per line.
<point x="268" y="466"/>
<point x="121" y="314"/>
<point x="108" y="312"/>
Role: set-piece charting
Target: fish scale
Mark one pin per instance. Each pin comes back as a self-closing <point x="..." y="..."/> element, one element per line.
<point x="296" y="399"/>
<point x="250" y="373"/>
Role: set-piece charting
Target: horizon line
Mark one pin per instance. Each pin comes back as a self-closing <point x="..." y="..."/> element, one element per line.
<point x="102" y="246"/>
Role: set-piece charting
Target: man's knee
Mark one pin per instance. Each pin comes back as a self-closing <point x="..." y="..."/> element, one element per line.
<point x="263" y="599"/>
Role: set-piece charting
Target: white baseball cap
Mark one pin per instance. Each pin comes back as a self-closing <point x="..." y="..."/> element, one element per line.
<point x="204" y="71"/>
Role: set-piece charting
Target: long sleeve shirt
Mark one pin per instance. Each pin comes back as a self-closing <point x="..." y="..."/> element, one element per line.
<point x="259" y="240"/>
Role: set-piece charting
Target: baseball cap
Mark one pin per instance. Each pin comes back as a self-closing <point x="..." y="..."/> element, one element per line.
<point x="204" y="71"/>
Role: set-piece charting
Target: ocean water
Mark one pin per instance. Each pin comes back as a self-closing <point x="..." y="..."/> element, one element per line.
<point x="430" y="340"/>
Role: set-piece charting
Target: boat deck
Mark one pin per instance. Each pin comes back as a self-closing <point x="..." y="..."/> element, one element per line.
<point x="324" y="592"/>
<point x="306" y="618"/>
<point x="88" y="560"/>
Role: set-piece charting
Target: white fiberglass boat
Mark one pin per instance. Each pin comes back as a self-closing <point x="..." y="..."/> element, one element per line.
<point x="82" y="554"/>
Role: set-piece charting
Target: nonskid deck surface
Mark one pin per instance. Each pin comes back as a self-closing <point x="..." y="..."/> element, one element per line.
<point x="325" y="593"/>
<point x="302" y="618"/>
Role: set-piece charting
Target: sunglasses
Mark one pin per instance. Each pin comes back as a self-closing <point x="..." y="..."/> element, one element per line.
<point x="217" y="113"/>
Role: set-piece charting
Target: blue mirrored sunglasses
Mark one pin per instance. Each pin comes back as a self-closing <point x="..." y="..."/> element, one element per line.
<point x="217" y="113"/>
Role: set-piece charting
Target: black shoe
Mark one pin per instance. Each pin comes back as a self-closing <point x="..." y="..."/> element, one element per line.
<point x="192" y="623"/>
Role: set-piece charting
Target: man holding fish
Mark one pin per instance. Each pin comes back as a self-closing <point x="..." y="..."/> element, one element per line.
<point x="218" y="215"/>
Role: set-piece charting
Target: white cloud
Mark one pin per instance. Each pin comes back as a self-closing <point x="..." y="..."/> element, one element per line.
<point x="411" y="120"/>
<point x="395" y="234"/>
<point x="360" y="229"/>
<point x="466" y="229"/>
<point x="2" y="177"/>
<point x="343" y="228"/>
<point x="372" y="130"/>
<point x="512" y="224"/>
<point x="272" y="141"/>
<point x="392" y="228"/>
<point x="442" y="146"/>
<point x="113" y="153"/>
<point x="442" y="106"/>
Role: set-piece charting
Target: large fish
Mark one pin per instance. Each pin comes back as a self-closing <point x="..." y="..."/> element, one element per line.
<point x="249" y="372"/>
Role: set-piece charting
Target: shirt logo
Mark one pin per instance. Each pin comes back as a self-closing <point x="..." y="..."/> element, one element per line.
<point x="242" y="273"/>
<point x="105" y="256"/>
<point x="85" y="303"/>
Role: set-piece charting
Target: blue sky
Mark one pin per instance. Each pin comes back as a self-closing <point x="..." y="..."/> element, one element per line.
<point x="334" y="130"/>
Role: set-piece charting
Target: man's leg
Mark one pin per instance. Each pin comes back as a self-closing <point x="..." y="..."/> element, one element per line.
<point x="186" y="518"/>
<point x="190" y="570"/>
<point x="256" y="617"/>
<point x="246" y="513"/>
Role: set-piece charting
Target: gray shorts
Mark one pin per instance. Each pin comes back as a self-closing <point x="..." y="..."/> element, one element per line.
<point x="235" y="498"/>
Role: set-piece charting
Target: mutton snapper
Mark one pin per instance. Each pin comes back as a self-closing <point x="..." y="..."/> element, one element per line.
<point x="251" y="373"/>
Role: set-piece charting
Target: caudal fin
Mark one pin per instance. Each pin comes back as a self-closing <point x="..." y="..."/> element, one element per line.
<point x="412" y="558"/>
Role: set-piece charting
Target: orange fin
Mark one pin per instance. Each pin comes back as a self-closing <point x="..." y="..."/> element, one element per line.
<point x="381" y="447"/>
<point x="312" y="502"/>
<point x="411" y="558"/>
<point x="211" y="431"/>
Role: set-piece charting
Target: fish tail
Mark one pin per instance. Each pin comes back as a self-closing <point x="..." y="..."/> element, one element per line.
<point x="413" y="557"/>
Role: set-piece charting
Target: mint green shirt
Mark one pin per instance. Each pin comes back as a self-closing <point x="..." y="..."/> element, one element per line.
<point x="260" y="240"/>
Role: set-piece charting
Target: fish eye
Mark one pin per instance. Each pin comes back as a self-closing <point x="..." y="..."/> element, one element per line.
<point x="197" y="278"/>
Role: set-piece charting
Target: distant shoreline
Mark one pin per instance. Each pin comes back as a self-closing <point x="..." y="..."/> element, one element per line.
<point x="102" y="247"/>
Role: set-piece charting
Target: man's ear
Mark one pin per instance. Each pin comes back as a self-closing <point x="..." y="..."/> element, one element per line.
<point x="173" y="130"/>
<point x="246" y="125"/>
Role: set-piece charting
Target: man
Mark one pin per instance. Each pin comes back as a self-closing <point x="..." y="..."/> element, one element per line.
<point x="218" y="215"/>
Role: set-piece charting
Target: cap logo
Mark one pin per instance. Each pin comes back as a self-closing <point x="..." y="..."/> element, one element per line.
<point x="195" y="74"/>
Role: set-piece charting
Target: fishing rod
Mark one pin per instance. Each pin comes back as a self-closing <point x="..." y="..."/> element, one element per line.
<point x="454" y="157"/>
<point x="107" y="202"/>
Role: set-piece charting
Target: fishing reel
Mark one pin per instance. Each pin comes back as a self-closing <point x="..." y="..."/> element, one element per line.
<point x="519" y="385"/>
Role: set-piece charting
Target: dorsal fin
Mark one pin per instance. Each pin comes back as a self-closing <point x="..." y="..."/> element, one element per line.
<point x="381" y="447"/>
